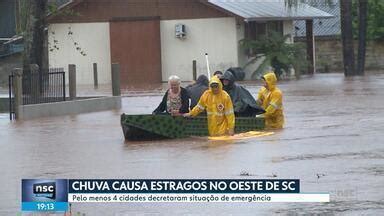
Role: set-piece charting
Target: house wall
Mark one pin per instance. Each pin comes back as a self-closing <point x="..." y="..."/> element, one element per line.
<point x="240" y="34"/>
<point x="215" y="36"/>
<point x="205" y="24"/>
<point x="93" y="39"/>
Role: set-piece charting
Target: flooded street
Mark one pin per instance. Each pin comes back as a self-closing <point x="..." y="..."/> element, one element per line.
<point x="333" y="142"/>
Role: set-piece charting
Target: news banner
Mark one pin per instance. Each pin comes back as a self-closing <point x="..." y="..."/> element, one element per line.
<point x="56" y="194"/>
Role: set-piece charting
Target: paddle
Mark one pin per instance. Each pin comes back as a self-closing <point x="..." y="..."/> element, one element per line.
<point x="208" y="70"/>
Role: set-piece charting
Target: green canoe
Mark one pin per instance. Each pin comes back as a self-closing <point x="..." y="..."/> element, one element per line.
<point x="151" y="127"/>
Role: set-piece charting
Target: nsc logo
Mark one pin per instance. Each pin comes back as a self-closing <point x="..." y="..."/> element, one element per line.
<point x="45" y="189"/>
<point x="44" y="195"/>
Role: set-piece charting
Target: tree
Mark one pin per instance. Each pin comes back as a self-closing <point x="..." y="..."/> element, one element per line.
<point x="363" y="7"/>
<point x="32" y="25"/>
<point x="347" y="37"/>
<point x="276" y="52"/>
<point x="374" y="19"/>
<point x="34" y="35"/>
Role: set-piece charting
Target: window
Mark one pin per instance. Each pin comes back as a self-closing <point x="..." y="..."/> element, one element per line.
<point x="255" y="29"/>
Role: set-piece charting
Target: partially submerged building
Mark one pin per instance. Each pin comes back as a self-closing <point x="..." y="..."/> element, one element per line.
<point x="154" y="39"/>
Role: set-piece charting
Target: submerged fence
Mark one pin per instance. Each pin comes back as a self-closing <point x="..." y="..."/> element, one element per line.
<point x="38" y="87"/>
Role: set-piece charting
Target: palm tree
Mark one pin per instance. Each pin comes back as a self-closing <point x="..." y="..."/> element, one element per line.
<point x="276" y="53"/>
<point x="363" y="5"/>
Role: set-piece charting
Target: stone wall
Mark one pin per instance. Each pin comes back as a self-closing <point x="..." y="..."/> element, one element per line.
<point x="329" y="55"/>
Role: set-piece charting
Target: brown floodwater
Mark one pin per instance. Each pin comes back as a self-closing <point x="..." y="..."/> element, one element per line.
<point x="332" y="141"/>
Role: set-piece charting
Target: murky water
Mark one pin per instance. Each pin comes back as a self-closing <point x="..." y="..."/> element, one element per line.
<point x="333" y="141"/>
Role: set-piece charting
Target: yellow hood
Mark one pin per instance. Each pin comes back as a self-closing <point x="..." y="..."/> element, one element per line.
<point x="271" y="80"/>
<point x="214" y="79"/>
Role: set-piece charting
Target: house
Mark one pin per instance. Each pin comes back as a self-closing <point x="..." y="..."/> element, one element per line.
<point x="154" y="39"/>
<point x="329" y="27"/>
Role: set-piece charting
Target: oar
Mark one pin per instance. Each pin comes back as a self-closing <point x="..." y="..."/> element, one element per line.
<point x="208" y="70"/>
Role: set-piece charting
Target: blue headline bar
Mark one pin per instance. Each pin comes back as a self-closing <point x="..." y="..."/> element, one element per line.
<point x="184" y="186"/>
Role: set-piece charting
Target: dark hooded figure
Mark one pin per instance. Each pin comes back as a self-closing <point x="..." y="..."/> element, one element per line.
<point x="197" y="89"/>
<point x="243" y="102"/>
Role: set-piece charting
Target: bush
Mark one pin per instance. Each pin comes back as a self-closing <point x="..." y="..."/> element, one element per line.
<point x="277" y="52"/>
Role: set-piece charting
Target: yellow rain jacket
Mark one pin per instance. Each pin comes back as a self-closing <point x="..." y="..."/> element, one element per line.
<point x="221" y="117"/>
<point x="271" y="100"/>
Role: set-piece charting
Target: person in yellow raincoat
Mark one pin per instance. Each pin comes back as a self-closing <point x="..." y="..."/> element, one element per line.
<point x="218" y="104"/>
<point x="270" y="98"/>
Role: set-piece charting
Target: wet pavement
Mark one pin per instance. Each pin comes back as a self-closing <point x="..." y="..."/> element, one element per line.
<point x="333" y="142"/>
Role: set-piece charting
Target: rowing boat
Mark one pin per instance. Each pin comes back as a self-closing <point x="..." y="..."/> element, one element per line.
<point x="153" y="127"/>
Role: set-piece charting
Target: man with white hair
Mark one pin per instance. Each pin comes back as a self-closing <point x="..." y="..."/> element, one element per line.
<point x="175" y="100"/>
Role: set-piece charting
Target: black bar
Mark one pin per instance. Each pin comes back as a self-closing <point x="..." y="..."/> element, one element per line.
<point x="35" y="88"/>
<point x="55" y="92"/>
<point x="33" y="99"/>
<point x="63" y="74"/>
<point x="49" y="87"/>
<point x="56" y="98"/>
<point x="10" y="96"/>
<point x="45" y="91"/>
<point x="41" y="81"/>
<point x="56" y="72"/>
<point x="25" y="84"/>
